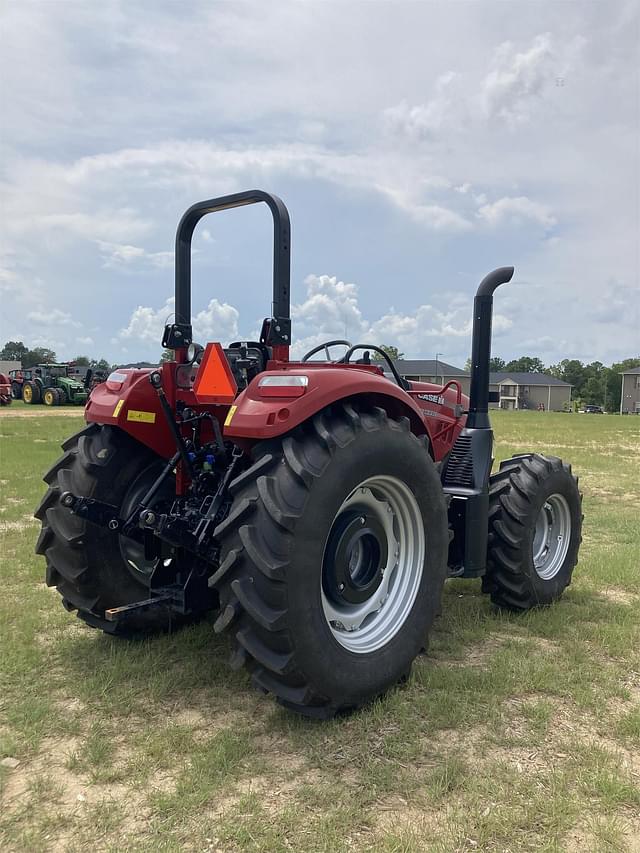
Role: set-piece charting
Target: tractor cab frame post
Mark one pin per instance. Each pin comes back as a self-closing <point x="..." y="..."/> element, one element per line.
<point x="468" y="468"/>
<point x="276" y="329"/>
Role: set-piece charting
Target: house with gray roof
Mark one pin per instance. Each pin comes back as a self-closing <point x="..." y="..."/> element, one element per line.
<point x="630" y="393"/>
<point x="530" y="391"/>
<point x="431" y="370"/>
<point x="516" y="390"/>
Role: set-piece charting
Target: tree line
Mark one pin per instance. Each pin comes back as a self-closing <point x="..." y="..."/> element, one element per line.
<point x="593" y="384"/>
<point x="18" y="351"/>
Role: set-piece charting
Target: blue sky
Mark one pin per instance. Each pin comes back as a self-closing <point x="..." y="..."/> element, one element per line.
<point x="417" y="145"/>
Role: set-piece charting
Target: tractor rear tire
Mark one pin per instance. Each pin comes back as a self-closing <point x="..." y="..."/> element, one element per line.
<point x="535" y="531"/>
<point x="91" y="566"/>
<point x="294" y="559"/>
<point x="31" y="393"/>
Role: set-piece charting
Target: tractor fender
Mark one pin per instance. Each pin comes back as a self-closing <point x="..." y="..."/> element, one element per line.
<point x="128" y="401"/>
<point x="256" y="415"/>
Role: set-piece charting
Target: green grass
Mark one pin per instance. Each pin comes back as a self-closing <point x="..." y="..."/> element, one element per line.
<point x="513" y="733"/>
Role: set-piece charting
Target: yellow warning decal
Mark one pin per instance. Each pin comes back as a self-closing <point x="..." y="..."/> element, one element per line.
<point x="230" y="415"/>
<point x="141" y="417"/>
<point x="116" y="411"/>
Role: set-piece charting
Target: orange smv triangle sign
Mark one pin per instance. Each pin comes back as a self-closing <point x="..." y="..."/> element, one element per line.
<point x="214" y="382"/>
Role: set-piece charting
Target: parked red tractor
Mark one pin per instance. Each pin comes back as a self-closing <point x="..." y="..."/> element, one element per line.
<point x="16" y="379"/>
<point x="317" y="506"/>
<point x="5" y="390"/>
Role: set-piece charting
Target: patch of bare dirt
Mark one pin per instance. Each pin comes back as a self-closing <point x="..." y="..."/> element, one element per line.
<point x="395" y="814"/>
<point x="619" y="596"/>
<point x="73" y="792"/>
<point x="582" y="837"/>
<point x="480" y="654"/>
<point x="19" y="412"/>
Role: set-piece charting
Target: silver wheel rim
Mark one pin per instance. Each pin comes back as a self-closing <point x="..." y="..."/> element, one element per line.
<point x="552" y="536"/>
<point x="367" y="626"/>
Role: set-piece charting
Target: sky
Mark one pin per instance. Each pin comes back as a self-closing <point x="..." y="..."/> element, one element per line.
<point x="418" y="145"/>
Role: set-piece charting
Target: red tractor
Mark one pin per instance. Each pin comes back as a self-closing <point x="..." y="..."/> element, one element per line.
<point x="16" y="379"/>
<point x="5" y="390"/>
<point x="316" y="506"/>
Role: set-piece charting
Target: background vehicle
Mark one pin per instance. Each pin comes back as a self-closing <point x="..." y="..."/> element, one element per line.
<point x="89" y="376"/>
<point x="16" y="379"/>
<point x="317" y="507"/>
<point x="594" y="410"/>
<point x="50" y="384"/>
<point x="5" y="390"/>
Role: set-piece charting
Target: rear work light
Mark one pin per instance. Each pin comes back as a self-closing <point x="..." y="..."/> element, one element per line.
<point x="283" y="386"/>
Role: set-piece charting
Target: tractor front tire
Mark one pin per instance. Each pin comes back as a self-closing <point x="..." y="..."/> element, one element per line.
<point x="535" y="530"/>
<point x="16" y="390"/>
<point x="49" y="397"/>
<point x="333" y="559"/>
<point x="94" y="568"/>
<point x="31" y="393"/>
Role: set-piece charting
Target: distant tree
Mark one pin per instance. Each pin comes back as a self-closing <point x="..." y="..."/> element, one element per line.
<point x="13" y="351"/>
<point x="82" y="361"/>
<point x="167" y="355"/>
<point x="496" y="364"/>
<point x="391" y="351"/>
<point x="39" y="355"/>
<point x="525" y="364"/>
<point x="100" y="364"/>
<point x="592" y="392"/>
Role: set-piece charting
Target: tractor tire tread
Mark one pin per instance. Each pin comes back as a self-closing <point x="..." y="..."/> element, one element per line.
<point x="250" y="580"/>
<point x="65" y="540"/>
<point x="511" y="492"/>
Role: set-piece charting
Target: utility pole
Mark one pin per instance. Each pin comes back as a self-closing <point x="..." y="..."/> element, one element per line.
<point x="437" y="354"/>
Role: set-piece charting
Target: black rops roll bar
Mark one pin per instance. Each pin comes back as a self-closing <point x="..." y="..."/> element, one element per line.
<point x="279" y="327"/>
<point x="481" y="347"/>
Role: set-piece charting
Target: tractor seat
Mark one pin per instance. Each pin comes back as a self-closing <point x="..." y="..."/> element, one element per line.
<point x="247" y="359"/>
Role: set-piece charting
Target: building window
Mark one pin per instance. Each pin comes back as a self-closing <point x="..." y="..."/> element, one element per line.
<point x="508" y="390"/>
<point x="637" y="381"/>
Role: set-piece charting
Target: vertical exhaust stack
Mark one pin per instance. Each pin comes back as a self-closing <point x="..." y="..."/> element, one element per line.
<point x="466" y="473"/>
<point x="478" y="417"/>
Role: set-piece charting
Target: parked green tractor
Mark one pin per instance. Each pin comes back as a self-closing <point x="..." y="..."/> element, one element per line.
<point x="50" y="384"/>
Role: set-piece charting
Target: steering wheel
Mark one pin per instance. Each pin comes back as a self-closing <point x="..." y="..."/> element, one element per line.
<point x="325" y="347"/>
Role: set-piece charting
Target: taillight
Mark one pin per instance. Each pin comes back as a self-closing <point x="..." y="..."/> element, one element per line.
<point x="286" y="385"/>
<point x="115" y="380"/>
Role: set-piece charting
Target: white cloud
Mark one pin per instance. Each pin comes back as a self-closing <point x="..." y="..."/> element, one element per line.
<point x="331" y="310"/>
<point x="217" y="322"/>
<point x="85" y="341"/>
<point x="516" y="209"/>
<point x="516" y="78"/>
<point x="119" y="255"/>
<point x="54" y="317"/>
<point x="424" y="121"/>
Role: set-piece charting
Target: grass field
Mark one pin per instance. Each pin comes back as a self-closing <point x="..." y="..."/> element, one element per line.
<point x="513" y="733"/>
